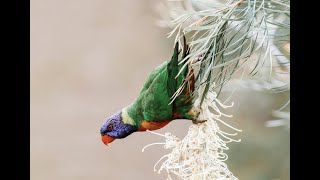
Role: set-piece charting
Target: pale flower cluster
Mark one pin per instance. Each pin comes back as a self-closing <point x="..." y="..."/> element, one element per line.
<point x="200" y="154"/>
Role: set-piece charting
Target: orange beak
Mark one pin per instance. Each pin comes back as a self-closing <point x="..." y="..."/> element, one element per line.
<point x="107" y="139"/>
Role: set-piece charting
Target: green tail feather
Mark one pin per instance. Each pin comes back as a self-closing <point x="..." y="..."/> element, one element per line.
<point x="173" y="70"/>
<point x="183" y="103"/>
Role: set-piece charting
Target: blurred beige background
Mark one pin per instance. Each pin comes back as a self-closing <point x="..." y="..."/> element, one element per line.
<point x="88" y="60"/>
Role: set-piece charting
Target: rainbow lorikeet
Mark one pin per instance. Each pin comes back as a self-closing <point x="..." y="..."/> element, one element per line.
<point x="152" y="109"/>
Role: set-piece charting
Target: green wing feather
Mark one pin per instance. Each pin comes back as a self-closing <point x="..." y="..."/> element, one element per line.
<point x="155" y="96"/>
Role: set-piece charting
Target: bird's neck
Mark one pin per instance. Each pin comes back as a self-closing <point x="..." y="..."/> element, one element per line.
<point x="134" y="118"/>
<point x="126" y="119"/>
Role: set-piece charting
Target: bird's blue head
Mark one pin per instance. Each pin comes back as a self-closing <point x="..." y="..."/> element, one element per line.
<point x="114" y="128"/>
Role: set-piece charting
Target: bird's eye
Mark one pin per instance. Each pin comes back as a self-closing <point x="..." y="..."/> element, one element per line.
<point x="110" y="127"/>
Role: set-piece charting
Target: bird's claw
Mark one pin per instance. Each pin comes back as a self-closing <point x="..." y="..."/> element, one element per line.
<point x="197" y="121"/>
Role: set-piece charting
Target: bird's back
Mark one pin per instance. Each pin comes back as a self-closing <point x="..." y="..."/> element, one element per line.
<point x="153" y="103"/>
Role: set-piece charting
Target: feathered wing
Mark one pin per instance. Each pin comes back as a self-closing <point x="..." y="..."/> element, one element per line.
<point x="153" y="103"/>
<point x="142" y="107"/>
<point x="158" y="95"/>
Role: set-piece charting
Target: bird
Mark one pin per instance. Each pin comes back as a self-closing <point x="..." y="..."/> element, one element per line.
<point x="154" y="107"/>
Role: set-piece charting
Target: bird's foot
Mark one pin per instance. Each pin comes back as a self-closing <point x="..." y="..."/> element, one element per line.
<point x="197" y="121"/>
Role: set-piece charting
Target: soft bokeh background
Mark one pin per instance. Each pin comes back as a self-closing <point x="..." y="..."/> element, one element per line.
<point x="88" y="60"/>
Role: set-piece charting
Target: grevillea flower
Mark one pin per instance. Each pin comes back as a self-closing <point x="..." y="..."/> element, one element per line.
<point x="200" y="154"/>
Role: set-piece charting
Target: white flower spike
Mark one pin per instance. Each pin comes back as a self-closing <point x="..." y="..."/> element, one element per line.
<point x="200" y="154"/>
